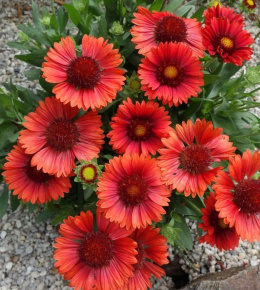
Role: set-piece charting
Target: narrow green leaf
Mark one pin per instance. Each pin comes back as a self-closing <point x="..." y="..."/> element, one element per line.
<point x="33" y="74"/>
<point x="35" y="34"/>
<point x="74" y="14"/>
<point x="173" y="5"/>
<point x="15" y="202"/>
<point x="62" y="19"/>
<point x="7" y="129"/>
<point x="102" y="27"/>
<point x="208" y="78"/>
<point x="36" y="17"/>
<point x="156" y="5"/>
<point x="44" y="216"/>
<point x="4" y="200"/>
<point x="20" y="46"/>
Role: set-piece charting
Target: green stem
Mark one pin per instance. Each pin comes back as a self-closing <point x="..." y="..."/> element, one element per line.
<point x="52" y="7"/>
<point x="209" y="62"/>
<point x="192" y="206"/>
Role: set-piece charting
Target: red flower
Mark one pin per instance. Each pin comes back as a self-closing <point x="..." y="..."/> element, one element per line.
<point x="228" y="40"/>
<point x="100" y="259"/>
<point x="218" y="232"/>
<point x="190" y="151"/>
<point x="29" y="183"/>
<point x="171" y="73"/>
<point x="131" y="191"/>
<point x="222" y="12"/>
<point x="238" y="195"/>
<point x="152" y="251"/>
<point x="251" y="4"/>
<point x="55" y="138"/>
<point x="138" y="128"/>
<point x="88" y="81"/>
<point x="160" y="27"/>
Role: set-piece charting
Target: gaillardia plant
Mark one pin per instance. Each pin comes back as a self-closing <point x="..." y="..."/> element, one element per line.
<point x="141" y="119"/>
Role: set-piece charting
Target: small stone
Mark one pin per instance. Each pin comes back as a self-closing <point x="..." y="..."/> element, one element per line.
<point x="35" y="274"/>
<point x="253" y="262"/>
<point x="49" y="227"/>
<point x="3" y="234"/>
<point x="242" y="255"/>
<point x="9" y="266"/>
<point x="2" y="249"/>
<point x="18" y="224"/>
<point x="28" y="250"/>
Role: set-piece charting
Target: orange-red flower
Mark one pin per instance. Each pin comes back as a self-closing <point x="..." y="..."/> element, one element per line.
<point x="186" y="162"/>
<point x="238" y="195"/>
<point x="171" y="73"/>
<point x="94" y="259"/>
<point x="218" y="232"/>
<point x="55" y="137"/>
<point x="87" y="81"/>
<point x="251" y="4"/>
<point x="227" y="40"/>
<point x="222" y="12"/>
<point x="131" y="191"/>
<point x="152" y="251"/>
<point x="138" y="128"/>
<point x="160" y="27"/>
<point x="30" y="184"/>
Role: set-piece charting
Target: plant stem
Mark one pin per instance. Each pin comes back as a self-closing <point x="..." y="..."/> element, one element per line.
<point x="193" y="206"/>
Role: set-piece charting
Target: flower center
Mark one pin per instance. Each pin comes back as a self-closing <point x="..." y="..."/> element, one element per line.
<point x="96" y="250"/>
<point x="62" y="134"/>
<point x="135" y="85"/>
<point x="84" y="72"/>
<point x="247" y="196"/>
<point x="140" y="257"/>
<point x="222" y="224"/>
<point x="88" y="173"/>
<point x="250" y="2"/>
<point x="139" y="129"/>
<point x="169" y="75"/>
<point x="132" y="190"/>
<point x="170" y="28"/>
<point x="225" y="45"/>
<point x="195" y="159"/>
<point x="36" y="175"/>
<point x="218" y="223"/>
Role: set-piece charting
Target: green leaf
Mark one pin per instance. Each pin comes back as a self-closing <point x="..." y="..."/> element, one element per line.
<point x="102" y="27"/>
<point x="94" y="8"/>
<point x="111" y="11"/>
<point x="35" y="34"/>
<point x="199" y="14"/>
<point x="33" y="74"/>
<point x="35" y="58"/>
<point x="185" y="235"/>
<point x="32" y="207"/>
<point x="46" y="86"/>
<point x="173" y="5"/>
<point x="156" y="5"/>
<point x="36" y="17"/>
<point x="7" y="129"/>
<point x="4" y="201"/>
<point x="63" y="214"/>
<point x="15" y="202"/>
<point x="20" y="46"/>
<point x="208" y="78"/>
<point x="62" y="19"/>
<point x="53" y="22"/>
<point x="44" y="216"/>
<point x="74" y="14"/>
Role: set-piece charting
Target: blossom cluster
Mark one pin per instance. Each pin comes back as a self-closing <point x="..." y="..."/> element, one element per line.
<point x="118" y="248"/>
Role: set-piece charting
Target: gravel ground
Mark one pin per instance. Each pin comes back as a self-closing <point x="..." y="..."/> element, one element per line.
<point x="26" y="247"/>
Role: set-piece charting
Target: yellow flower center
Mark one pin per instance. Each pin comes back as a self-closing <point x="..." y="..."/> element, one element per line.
<point x="140" y="130"/>
<point x="222" y="224"/>
<point x="227" y="42"/>
<point x="250" y="2"/>
<point x="133" y="190"/>
<point x="170" y="72"/>
<point x="88" y="173"/>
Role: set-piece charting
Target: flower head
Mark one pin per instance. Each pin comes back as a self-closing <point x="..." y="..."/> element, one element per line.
<point x="131" y="191"/>
<point x="250" y="4"/>
<point x="186" y="162"/>
<point x="89" y="258"/>
<point x="161" y="27"/>
<point x="171" y="73"/>
<point x="227" y="40"/>
<point x="238" y="195"/>
<point x="152" y="253"/>
<point x="55" y="137"/>
<point x="223" y="13"/>
<point x="138" y="128"/>
<point x="30" y="184"/>
<point x="87" y="81"/>
<point x="218" y="232"/>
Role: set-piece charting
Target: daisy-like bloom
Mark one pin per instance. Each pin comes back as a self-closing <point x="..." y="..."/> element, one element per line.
<point x="55" y="138"/>
<point x="227" y="40"/>
<point x="218" y="232"/>
<point x="159" y="27"/>
<point x="152" y="251"/>
<point x="190" y="151"/>
<point x="222" y="12"/>
<point x="94" y="259"/>
<point x="250" y="4"/>
<point x="238" y="195"/>
<point x="171" y="73"/>
<point x="138" y="128"/>
<point x="30" y="184"/>
<point x="87" y="81"/>
<point x="131" y="191"/>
